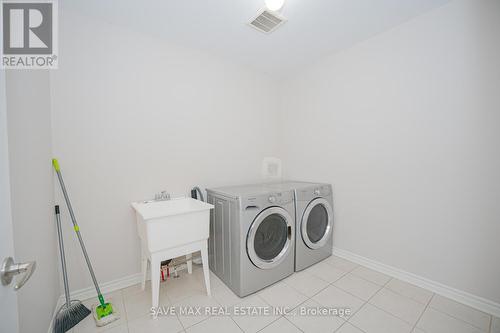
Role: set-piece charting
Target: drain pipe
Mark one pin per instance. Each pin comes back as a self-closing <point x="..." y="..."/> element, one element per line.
<point x="194" y="192"/>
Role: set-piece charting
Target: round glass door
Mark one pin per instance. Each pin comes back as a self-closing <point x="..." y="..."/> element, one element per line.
<point x="317" y="223"/>
<point x="269" y="237"/>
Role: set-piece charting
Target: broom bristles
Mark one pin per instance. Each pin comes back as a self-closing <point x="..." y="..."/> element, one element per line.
<point x="68" y="317"/>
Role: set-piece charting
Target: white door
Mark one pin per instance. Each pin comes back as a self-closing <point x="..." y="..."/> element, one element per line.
<point x="12" y="275"/>
<point x="8" y="298"/>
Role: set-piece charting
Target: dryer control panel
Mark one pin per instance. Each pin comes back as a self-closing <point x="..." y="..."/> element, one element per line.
<point x="314" y="192"/>
<point x="270" y="199"/>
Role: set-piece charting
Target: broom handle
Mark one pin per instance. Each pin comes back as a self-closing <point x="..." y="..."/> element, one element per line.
<point x="77" y="229"/>
<point x="63" y="257"/>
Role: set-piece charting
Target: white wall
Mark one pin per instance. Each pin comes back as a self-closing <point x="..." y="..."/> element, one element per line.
<point x="406" y="126"/>
<point x="133" y="116"/>
<point x="32" y="194"/>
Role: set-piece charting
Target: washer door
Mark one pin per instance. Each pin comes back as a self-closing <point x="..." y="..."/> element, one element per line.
<point x="270" y="237"/>
<point x="317" y="223"/>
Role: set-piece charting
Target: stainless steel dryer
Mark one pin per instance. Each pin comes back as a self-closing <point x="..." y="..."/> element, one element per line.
<point x="314" y="221"/>
<point x="252" y="236"/>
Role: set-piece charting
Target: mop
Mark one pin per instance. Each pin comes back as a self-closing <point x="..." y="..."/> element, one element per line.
<point x="74" y="311"/>
<point x="103" y="313"/>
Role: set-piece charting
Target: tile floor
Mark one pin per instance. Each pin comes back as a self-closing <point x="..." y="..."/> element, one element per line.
<point x="379" y="304"/>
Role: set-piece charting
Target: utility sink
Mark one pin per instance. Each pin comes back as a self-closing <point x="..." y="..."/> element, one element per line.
<point x="169" y="229"/>
<point x="165" y="224"/>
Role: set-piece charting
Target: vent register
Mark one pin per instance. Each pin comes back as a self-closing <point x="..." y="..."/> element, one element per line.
<point x="267" y="21"/>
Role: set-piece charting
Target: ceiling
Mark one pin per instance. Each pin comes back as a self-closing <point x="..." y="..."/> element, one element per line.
<point x="315" y="28"/>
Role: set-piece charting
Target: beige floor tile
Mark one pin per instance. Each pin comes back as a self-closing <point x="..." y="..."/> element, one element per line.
<point x="371" y="275"/>
<point x="336" y="298"/>
<point x="225" y="296"/>
<point x="88" y="325"/>
<point x="176" y="289"/>
<point x="474" y="317"/>
<point x="409" y="290"/>
<point x="282" y="295"/>
<point x="312" y="322"/>
<point x="198" y="301"/>
<point x="357" y="286"/>
<point x="373" y="320"/>
<point x="281" y="326"/>
<point x="348" y="328"/>
<point x="215" y="324"/>
<point x="256" y="322"/>
<point x="402" y="307"/>
<point x="495" y="325"/>
<point x="306" y="283"/>
<point x="118" y="329"/>
<point x="340" y="263"/>
<point x="393" y="308"/>
<point x="163" y="324"/>
<point x="139" y="304"/>
<point x="326" y="272"/>
<point x="434" y="321"/>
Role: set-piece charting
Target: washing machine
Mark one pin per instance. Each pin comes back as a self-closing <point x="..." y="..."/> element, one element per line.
<point x="252" y="236"/>
<point x="313" y="221"/>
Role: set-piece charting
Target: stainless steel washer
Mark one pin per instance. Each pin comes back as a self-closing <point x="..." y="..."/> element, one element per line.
<point x="314" y="221"/>
<point x="252" y="236"/>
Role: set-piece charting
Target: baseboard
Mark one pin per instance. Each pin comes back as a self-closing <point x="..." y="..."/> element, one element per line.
<point x="106" y="287"/>
<point x="466" y="298"/>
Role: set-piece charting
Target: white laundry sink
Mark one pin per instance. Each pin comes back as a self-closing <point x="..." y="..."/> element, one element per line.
<point x="169" y="229"/>
<point x="166" y="224"/>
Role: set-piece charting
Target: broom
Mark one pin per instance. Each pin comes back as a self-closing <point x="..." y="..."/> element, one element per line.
<point x="103" y="313"/>
<point x="72" y="312"/>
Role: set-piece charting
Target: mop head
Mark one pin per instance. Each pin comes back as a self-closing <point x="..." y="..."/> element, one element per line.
<point x="104" y="315"/>
<point x="69" y="316"/>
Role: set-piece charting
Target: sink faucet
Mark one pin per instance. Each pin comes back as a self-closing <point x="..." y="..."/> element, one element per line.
<point x="162" y="196"/>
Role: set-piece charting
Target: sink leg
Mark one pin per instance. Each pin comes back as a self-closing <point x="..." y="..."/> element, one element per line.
<point x="204" y="259"/>
<point x="144" y="269"/>
<point x="189" y="263"/>
<point x="155" y="282"/>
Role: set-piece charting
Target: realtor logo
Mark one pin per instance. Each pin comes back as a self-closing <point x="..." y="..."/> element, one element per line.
<point x="29" y="34"/>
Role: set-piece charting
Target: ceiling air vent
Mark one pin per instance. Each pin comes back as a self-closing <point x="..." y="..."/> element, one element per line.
<point x="267" y="21"/>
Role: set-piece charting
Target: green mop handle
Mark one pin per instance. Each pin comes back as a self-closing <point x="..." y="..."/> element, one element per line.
<point x="55" y="163"/>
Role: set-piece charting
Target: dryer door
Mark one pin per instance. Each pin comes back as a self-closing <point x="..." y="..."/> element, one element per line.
<point x="316" y="223"/>
<point x="270" y="237"/>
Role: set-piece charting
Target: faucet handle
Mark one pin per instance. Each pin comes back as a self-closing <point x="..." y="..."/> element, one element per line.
<point x="163" y="195"/>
